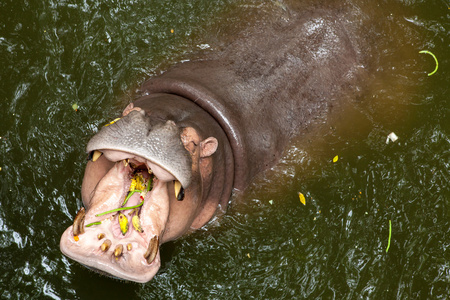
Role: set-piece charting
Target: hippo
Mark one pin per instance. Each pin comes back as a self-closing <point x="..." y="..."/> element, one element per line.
<point x="201" y="130"/>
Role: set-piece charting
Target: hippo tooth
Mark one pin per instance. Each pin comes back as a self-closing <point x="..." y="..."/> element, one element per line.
<point x="152" y="249"/>
<point x="96" y="155"/>
<point x="78" y="222"/>
<point x="125" y="162"/>
<point x="129" y="246"/>
<point x="100" y="236"/>
<point x="105" y="246"/>
<point x="118" y="251"/>
<point x="179" y="191"/>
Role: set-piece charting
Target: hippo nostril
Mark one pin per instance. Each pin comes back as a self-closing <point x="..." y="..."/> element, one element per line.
<point x="152" y="249"/>
<point x="78" y="222"/>
<point x="118" y="251"/>
<point x="105" y="246"/>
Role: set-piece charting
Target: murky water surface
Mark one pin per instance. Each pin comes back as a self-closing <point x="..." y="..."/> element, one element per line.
<point x="268" y="246"/>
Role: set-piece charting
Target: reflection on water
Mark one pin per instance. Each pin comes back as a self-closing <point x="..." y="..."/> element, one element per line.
<point x="268" y="245"/>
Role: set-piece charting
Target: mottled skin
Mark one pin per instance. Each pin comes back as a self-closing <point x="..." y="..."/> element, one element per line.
<point x="235" y="111"/>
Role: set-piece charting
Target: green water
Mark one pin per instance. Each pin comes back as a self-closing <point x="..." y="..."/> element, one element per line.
<point x="268" y="246"/>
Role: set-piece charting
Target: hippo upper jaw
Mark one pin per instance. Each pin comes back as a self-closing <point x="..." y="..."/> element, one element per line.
<point x="158" y="144"/>
<point x="98" y="238"/>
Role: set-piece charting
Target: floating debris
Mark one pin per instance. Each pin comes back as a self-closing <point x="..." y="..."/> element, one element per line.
<point x="204" y="46"/>
<point x="271" y="202"/>
<point x="435" y="59"/>
<point x="75" y="107"/>
<point x="302" y="198"/>
<point x="112" y="122"/>
<point x="391" y="137"/>
<point x="335" y="159"/>
<point x="389" y="240"/>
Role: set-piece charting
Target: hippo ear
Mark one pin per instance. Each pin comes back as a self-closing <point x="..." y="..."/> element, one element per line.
<point x="208" y="146"/>
<point x="130" y="107"/>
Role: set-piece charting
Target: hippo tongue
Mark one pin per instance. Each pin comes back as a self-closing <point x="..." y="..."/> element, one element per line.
<point x="103" y="247"/>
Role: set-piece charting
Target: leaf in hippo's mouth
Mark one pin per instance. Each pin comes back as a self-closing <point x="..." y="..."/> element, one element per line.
<point x="123" y="223"/>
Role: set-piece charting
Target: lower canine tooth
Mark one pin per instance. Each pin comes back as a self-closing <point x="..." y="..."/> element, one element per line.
<point x="152" y="249"/>
<point x="129" y="247"/>
<point x="100" y="236"/>
<point x="78" y="222"/>
<point x="118" y="251"/>
<point x="96" y="155"/>
<point x="105" y="246"/>
<point x="179" y="191"/>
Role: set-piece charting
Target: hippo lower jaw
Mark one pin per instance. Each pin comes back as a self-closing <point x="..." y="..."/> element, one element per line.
<point x="105" y="247"/>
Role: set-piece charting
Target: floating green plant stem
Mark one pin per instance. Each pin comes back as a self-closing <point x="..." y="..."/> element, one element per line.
<point x="119" y="209"/>
<point x="93" y="223"/>
<point x="390" y="232"/>
<point x="130" y="193"/>
<point x="435" y="59"/>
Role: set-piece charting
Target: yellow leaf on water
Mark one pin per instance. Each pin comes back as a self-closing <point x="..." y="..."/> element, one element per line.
<point x="302" y="198"/>
<point x="335" y="159"/>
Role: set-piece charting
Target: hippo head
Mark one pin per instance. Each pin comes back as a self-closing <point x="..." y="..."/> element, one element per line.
<point x="153" y="175"/>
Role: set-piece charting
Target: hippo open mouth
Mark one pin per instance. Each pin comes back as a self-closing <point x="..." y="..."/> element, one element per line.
<point x="126" y="213"/>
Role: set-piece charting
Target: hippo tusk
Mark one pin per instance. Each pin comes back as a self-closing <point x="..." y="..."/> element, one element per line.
<point x="179" y="191"/>
<point x="78" y="222"/>
<point x="100" y="236"/>
<point x="105" y="246"/>
<point x="94" y="155"/>
<point x="152" y="249"/>
<point x="129" y="246"/>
